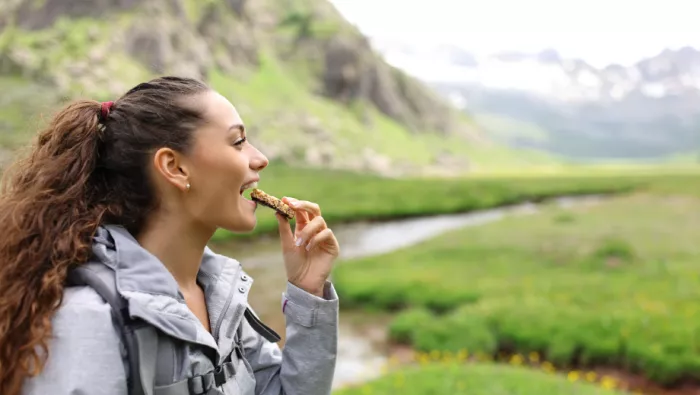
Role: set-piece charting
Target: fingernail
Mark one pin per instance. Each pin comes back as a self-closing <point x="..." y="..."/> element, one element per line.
<point x="299" y="241"/>
<point x="308" y="246"/>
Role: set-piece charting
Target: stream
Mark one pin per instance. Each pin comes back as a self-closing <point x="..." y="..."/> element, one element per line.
<point x="362" y="344"/>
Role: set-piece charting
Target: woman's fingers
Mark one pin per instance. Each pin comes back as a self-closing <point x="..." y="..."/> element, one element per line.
<point x="285" y="231"/>
<point x="301" y="217"/>
<point x="327" y="237"/>
<point x="313" y="209"/>
<point x="314" y="226"/>
<point x="305" y="212"/>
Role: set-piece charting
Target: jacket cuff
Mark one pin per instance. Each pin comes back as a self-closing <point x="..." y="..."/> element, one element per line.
<point x="309" y="310"/>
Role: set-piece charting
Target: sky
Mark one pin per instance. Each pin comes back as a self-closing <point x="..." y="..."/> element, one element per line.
<point x="599" y="31"/>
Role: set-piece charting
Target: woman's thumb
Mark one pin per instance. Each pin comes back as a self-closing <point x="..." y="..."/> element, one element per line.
<point x="286" y="234"/>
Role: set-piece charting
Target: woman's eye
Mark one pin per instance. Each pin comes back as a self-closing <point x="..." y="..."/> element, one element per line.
<point x="241" y="141"/>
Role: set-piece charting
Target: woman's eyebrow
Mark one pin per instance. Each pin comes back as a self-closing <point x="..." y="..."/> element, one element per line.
<point x="239" y="126"/>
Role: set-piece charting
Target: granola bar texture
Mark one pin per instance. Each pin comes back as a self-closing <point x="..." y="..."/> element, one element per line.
<point x="272" y="202"/>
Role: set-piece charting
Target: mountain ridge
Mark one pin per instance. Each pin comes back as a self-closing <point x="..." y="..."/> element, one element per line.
<point x="649" y="110"/>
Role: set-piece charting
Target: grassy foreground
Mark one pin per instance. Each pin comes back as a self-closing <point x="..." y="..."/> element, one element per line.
<point x="614" y="284"/>
<point x="349" y="196"/>
<point x="475" y="379"/>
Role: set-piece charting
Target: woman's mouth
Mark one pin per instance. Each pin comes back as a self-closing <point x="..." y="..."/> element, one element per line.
<point x="250" y="185"/>
<point x="244" y="187"/>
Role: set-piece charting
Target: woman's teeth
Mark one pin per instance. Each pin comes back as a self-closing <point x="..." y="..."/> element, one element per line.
<point x="249" y="186"/>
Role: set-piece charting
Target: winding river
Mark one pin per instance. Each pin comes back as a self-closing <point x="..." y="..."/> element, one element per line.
<point x="362" y="348"/>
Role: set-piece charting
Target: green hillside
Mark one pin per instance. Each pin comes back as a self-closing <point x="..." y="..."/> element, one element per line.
<point x="309" y="86"/>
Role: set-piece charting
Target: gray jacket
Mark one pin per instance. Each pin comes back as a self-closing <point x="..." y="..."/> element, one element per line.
<point x="87" y="355"/>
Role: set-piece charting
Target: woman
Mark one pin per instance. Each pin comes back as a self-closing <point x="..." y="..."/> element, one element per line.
<point x="128" y="194"/>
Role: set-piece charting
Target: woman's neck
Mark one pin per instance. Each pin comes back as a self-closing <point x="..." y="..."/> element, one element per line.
<point x="178" y="244"/>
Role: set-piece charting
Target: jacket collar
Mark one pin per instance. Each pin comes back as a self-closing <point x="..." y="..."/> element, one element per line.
<point x="140" y="271"/>
<point x="154" y="296"/>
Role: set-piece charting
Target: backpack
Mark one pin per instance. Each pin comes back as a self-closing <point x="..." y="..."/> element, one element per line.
<point x="150" y="353"/>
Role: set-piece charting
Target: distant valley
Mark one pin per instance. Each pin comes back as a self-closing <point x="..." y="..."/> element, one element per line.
<point x="646" y="111"/>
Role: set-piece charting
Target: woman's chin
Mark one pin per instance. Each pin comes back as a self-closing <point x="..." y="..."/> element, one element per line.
<point x="242" y="225"/>
<point x="245" y="221"/>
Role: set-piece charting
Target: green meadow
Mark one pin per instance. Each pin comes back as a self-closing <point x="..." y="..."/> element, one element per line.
<point x="457" y="378"/>
<point x="613" y="284"/>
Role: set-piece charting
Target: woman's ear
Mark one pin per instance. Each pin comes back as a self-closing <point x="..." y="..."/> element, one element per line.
<point x="172" y="167"/>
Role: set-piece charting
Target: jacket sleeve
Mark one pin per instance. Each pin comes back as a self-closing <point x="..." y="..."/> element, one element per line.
<point x="306" y="364"/>
<point x="84" y="350"/>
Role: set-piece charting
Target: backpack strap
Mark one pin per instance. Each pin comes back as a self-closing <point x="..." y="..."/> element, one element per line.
<point x="135" y="335"/>
<point x="147" y="351"/>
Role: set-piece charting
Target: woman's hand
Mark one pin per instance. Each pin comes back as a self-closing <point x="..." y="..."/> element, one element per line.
<point x="310" y="251"/>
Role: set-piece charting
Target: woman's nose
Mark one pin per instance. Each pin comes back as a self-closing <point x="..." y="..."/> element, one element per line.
<point x="258" y="161"/>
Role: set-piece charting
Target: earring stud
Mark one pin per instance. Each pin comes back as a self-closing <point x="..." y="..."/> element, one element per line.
<point x="188" y="186"/>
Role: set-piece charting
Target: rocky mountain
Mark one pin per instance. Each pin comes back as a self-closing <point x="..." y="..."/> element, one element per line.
<point x="311" y="88"/>
<point x="646" y="110"/>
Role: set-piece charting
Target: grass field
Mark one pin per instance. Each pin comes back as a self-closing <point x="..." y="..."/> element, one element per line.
<point x="614" y="284"/>
<point x="457" y="378"/>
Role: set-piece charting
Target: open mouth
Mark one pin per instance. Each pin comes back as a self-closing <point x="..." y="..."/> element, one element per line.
<point x="248" y="186"/>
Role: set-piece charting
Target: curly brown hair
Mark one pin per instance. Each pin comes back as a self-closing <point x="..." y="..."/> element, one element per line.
<point x="83" y="170"/>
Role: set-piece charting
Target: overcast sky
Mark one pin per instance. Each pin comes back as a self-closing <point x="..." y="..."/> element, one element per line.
<point x="600" y="31"/>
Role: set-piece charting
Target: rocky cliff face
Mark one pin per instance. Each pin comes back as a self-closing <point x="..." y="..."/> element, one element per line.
<point x="100" y="48"/>
<point x="80" y="42"/>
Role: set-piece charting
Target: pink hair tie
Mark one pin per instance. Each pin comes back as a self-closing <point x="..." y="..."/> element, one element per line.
<point x="106" y="108"/>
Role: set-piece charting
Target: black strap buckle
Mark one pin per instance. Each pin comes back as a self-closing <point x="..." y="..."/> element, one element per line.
<point x="219" y="376"/>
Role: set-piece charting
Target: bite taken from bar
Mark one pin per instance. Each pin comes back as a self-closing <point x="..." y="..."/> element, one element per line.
<point x="272" y="202"/>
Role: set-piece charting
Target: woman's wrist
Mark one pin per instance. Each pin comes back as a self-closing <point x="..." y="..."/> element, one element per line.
<point x="313" y="289"/>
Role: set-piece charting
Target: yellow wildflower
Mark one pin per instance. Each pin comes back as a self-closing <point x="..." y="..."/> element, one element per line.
<point x="516" y="359"/>
<point x="423" y="358"/>
<point x="462" y="354"/>
<point x="547" y="366"/>
<point x="573" y="375"/>
<point x="608" y="383"/>
<point x="447" y="356"/>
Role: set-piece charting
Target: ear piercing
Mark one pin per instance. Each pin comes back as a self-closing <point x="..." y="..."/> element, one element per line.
<point x="188" y="186"/>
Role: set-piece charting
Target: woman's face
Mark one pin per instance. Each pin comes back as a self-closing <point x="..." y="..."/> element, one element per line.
<point x="220" y="166"/>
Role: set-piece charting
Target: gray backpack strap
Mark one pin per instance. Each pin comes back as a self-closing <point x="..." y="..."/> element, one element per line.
<point x="147" y="343"/>
<point x="102" y="279"/>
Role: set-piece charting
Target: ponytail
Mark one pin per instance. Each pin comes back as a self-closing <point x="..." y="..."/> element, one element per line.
<point x="88" y="166"/>
<point x="48" y="215"/>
